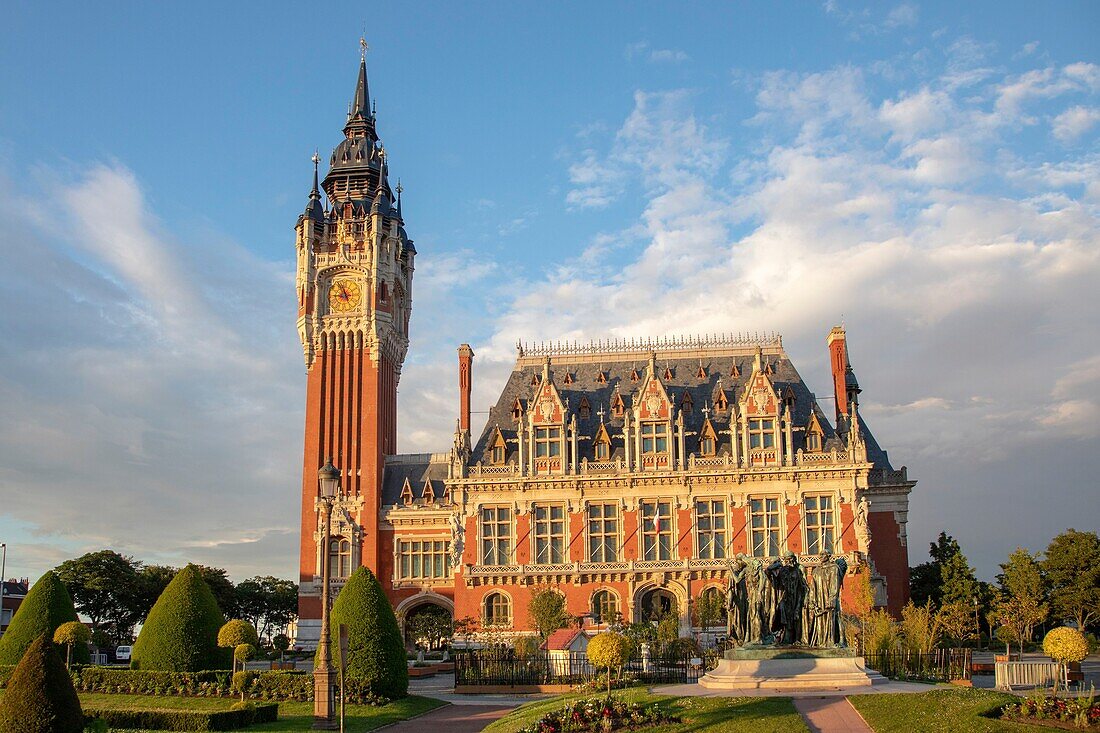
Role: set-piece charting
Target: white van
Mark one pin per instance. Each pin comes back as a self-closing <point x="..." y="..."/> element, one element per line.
<point x="122" y="654"/>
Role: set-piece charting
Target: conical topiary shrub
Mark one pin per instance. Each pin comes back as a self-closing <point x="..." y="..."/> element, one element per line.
<point x="181" y="632"/>
<point x="40" y="697"/>
<point x="376" y="653"/>
<point x="47" y="606"/>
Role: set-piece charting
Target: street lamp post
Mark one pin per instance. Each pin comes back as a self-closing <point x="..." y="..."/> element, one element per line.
<point x="324" y="689"/>
<point x="3" y="575"/>
<point x="977" y="625"/>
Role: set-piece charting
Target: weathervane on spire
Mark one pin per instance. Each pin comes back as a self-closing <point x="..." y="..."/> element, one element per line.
<point x="316" y="159"/>
<point x="363" y="48"/>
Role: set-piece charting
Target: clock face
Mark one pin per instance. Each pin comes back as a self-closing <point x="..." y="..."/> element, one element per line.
<point x="344" y="295"/>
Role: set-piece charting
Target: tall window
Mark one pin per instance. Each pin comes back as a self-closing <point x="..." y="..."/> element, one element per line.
<point x="707" y="446"/>
<point x="605" y="605"/>
<point x="710" y="528"/>
<point x="549" y="533"/>
<point x="813" y="442"/>
<point x="339" y="557"/>
<point x="654" y="438"/>
<point x="656" y="530"/>
<point x="603" y="532"/>
<point x="713" y="599"/>
<point x="764" y="516"/>
<point x="761" y="433"/>
<point x="496" y="535"/>
<point x="547" y="442"/>
<point x="820" y="524"/>
<point x="421" y="559"/>
<point x="498" y="610"/>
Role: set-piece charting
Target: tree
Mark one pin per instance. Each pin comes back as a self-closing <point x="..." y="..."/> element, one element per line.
<point x="106" y="588"/>
<point x="181" y="632"/>
<point x="1072" y="568"/>
<point x="957" y="620"/>
<point x="608" y="651"/>
<point x="71" y="634"/>
<point x="547" y="612"/>
<point x="236" y="633"/>
<point x="921" y="627"/>
<point x="959" y="584"/>
<point x="430" y="623"/>
<point x="269" y="603"/>
<point x="47" y="606"/>
<point x="222" y="587"/>
<point x="710" y="607"/>
<point x="925" y="580"/>
<point x="376" y="653"/>
<point x="40" y="697"/>
<point x="153" y="579"/>
<point x="1020" y="606"/>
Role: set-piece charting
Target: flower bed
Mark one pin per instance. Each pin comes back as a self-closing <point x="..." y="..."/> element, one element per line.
<point x="599" y="714"/>
<point x="1074" y="713"/>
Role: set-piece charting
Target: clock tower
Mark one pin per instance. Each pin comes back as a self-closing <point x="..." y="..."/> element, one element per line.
<point x="354" y="287"/>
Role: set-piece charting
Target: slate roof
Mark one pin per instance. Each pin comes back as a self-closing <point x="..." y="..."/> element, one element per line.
<point x="718" y="367"/>
<point x="417" y="468"/>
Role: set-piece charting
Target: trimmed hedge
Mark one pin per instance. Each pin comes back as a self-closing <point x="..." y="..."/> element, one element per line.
<point x="376" y="652"/>
<point x="181" y="631"/>
<point x="40" y="697"/>
<point x="187" y="720"/>
<point x="47" y="606"/>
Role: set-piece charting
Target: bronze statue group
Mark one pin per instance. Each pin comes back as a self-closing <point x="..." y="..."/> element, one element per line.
<point x="784" y="603"/>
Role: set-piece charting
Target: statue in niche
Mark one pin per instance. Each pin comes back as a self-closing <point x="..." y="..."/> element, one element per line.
<point x="789" y="588"/>
<point x="457" y="532"/>
<point x="863" y="532"/>
<point x="737" y="600"/>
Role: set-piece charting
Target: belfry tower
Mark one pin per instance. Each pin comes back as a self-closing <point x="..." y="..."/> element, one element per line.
<point x="354" y="285"/>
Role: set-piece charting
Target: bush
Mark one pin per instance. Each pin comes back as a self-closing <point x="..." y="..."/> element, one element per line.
<point x="376" y="652"/>
<point x="525" y="646"/>
<point x="71" y="635"/>
<point x="685" y="646"/>
<point x="1064" y="644"/>
<point x="40" y="697"/>
<point x="47" y="606"/>
<point x="237" y="632"/>
<point x="181" y="631"/>
<point x="239" y="716"/>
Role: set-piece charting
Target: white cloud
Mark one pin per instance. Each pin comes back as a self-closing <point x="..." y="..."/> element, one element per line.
<point x="1074" y="122"/>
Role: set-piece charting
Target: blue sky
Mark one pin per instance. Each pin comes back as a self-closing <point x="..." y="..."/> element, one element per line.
<point x="925" y="172"/>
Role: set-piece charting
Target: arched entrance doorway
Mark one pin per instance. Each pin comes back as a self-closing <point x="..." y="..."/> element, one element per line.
<point x="427" y="626"/>
<point x="655" y="604"/>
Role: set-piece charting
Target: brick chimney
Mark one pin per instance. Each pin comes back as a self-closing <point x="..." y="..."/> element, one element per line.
<point x="465" y="380"/>
<point x="838" y="362"/>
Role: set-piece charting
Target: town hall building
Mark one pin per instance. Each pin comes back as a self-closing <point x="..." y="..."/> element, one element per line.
<point x="625" y="474"/>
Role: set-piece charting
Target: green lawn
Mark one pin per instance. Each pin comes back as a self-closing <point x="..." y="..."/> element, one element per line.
<point x="293" y="716"/>
<point x="957" y="710"/>
<point x="714" y="714"/>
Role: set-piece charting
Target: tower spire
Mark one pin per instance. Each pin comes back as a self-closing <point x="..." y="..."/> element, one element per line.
<point x="361" y="104"/>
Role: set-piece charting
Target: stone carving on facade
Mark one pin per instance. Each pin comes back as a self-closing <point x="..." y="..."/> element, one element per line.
<point x="863" y="531"/>
<point x="457" y="544"/>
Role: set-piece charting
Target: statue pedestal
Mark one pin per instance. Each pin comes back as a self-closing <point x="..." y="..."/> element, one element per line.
<point x="789" y="668"/>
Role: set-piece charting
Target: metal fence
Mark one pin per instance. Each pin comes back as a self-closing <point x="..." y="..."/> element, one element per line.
<point x="941" y="665"/>
<point x="503" y="667"/>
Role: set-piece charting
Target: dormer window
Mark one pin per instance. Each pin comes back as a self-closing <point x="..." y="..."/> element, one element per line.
<point x="762" y="433"/>
<point x="813" y="443"/>
<point x="568" y="379"/>
<point x="702" y="373"/>
<point x="734" y="371"/>
<point x="406" y="494"/>
<point x="634" y="376"/>
<point x="498" y="449"/>
<point x="517" y="409"/>
<point x="618" y="407"/>
<point x="498" y="455"/>
<point x="534" y="380"/>
<point x="603" y="451"/>
<point x="584" y="409"/>
<point x="601" y="377"/>
<point x="654" y="438"/>
<point x="547" y="442"/>
<point x="668" y="373"/>
<point x="721" y="404"/>
<point x="686" y="403"/>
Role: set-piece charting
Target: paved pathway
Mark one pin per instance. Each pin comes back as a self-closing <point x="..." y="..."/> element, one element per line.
<point x="830" y="715"/>
<point x="452" y="719"/>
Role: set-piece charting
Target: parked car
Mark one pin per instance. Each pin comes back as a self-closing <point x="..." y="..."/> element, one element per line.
<point x="122" y="654"/>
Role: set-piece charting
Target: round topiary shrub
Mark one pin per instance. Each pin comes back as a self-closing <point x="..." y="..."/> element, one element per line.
<point x="376" y="653"/>
<point x="1065" y="645"/>
<point x="181" y="632"/>
<point x="71" y="635"/>
<point x="47" y="606"/>
<point x="608" y="651"/>
<point x="40" y="697"/>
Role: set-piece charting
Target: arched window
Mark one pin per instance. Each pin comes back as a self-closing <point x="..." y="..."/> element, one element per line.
<point x="339" y="557"/>
<point x="605" y="606"/>
<point x="498" y="610"/>
<point x="711" y="607"/>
